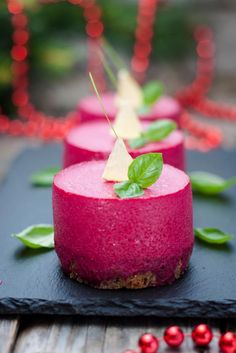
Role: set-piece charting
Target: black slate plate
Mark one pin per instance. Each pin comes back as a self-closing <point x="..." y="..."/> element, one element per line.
<point x="32" y="281"/>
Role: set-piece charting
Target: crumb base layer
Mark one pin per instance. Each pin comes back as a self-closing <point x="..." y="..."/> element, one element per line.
<point x="138" y="281"/>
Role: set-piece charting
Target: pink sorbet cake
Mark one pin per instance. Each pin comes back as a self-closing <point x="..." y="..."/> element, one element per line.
<point x="113" y="243"/>
<point x="93" y="140"/>
<point x="165" y="108"/>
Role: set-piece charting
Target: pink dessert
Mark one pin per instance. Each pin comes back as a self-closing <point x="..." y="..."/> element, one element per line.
<point x="165" y="108"/>
<point x="92" y="140"/>
<point x="110" y="242"/>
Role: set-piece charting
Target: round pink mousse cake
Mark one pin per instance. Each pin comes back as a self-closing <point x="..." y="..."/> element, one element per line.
<point x="93" y="141"/>
<point x="165" y="108"/>
<point x="113" y="243"/>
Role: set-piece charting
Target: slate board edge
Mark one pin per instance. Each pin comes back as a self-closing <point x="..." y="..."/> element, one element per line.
<point x="183" y="308"/>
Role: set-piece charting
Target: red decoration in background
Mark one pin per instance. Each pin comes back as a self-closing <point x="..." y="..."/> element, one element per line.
<point x="35" y="123"/>
<point x="148" y="343"/>
<point x="202" y="335"/>
<point x="227" y="342"/>
<point x="173" y="336"/>
<point x="143" y="37"/>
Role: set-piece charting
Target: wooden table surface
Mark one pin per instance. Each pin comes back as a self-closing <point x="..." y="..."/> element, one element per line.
<point x="44" y="334"/>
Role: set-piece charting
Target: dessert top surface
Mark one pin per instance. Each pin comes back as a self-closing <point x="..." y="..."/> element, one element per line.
<point x="85" y="179"/>
<point x="165" y="106"/>
<point x="96" y="136"/>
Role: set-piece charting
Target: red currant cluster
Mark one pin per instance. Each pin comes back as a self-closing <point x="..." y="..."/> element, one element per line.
<point x="143" y="35"/>
<point x="205" y="73"/>
<point x="202" y="136"/>
<point x="202" y="336"/>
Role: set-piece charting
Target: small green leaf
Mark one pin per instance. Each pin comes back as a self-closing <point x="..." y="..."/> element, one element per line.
<point x="146" y="169"/>
<point x="160" y="129"/>
<point x="44" y="177"/>
<point x="152" y="91"/>
<point x="209" y="184"/>
<point x="138" y="142"/>
<point x="145" y="109"/>
<point x="127" y="189"/>
<point x="212" y="235"/>
<point x="37" y="236"/>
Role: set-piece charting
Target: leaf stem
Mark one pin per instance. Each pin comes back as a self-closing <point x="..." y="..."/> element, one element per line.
<point x="108" y="70"/>
<point x="115" y="58"/>
<point x="101" y="103"/>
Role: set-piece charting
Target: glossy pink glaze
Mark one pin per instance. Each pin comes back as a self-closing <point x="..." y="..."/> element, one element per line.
<point x="103" y="237"/>
<point x="166" y="108"/>
<point x="93" y="140"/>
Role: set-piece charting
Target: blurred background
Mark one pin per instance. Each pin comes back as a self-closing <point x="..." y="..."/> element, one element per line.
<point x="58" y="49"/>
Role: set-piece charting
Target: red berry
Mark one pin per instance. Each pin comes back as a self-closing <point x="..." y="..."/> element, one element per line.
<point x="174" y="336"/>
<point x="202" y="335"/>
<point x="148" y="343"/>
<point x="227" y="342"/>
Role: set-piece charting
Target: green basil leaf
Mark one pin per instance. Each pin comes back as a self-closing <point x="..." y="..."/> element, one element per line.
<point x="37" y="236"/>
<point x="151" y="92"/>
<point x="44" y="177"/>
<point x="145" y="109"/>
<point x="160" y="129"/>
<point x="146" y="169"/>
<point x="138" y="142"/>
<point x="127" y="189"/>
<point x="212" y="235"/>
<point x="209" y="184"/>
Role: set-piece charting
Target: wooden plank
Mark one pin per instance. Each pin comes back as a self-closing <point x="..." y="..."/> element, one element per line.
<point x="33" y="336"/>
<point x="122" y="334"/>
<point x="67" y="335"/>
<point x="8" y="332"/>
<point x="48" y="335"/>
<point x="95" y="335"/>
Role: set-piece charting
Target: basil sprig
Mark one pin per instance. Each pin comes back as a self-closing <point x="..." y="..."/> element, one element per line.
<point x="127" y="189"/>
<point x="210" y="184"/>
<point x="44" y="177"/>
<point x="155" y="132"/>
<point x="152" y="91"/>
<point x="142" y="173"/>
<point x="37" y="236"/>
<point x="212" y="235"/>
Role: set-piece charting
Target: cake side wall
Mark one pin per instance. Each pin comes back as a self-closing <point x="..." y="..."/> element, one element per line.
<point x="103" y="240"/>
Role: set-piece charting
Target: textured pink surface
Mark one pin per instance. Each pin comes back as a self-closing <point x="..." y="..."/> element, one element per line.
<point x="90" y="109"/>
<point x="103" y="237"/>
<point x="92" y="140"/>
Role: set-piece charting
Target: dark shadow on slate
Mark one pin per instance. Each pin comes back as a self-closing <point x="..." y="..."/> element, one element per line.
<point x="35" y="283"/>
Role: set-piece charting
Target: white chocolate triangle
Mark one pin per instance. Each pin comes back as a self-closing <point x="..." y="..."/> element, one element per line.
<point x="118" y="163"/>
<point x="128" y="89"/>
<point x="127" y="124"/>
